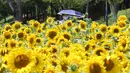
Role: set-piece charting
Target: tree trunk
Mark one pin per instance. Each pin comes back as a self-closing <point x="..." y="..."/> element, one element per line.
<point x="87" y="7"/>
<point x="114" y="10"/>
<point x="16" y="9"/>
<point x="36" y="11"/>
<point x="19" y="13"/>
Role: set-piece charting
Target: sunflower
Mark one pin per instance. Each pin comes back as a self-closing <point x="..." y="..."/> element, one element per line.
<point x="39" y="62"/>
<point x="54" y="49"/>
<point x="87" y="46"/>
<point x="107" y="45"/>
<point x="62" y="41"/>
<point x="115" y="30"/>
<point x="65" y="52"/>
<point x="112" y="64"/>
<point x="30" y="22"/>
<point x="39" y="40"/>
<point x="7" y="35"/>
<point x="36" y="24"/>
<point x="17" y="25"/>
<point x="126" y="67"/>
<point x="99" y="51"/>
<point x="66" y="35"/>
<point x="2" y="39"/>
<point x="121" y="56"/>
<point x="12" y="44"/>
<point x="39" y="30"/>
<point x="4" y="51"/>
<point x="76" y="29"/>
<point x="50" y="43"/>
<point x="123" y="44"/>
<point x="94" y="65"/>
<point x="28" y="30"/>
<point x="6" y="44"/>
<point x="82" y="25"/>
<point x="50" y="69"/>
<point x="50" y="20"/>
<point x="20" y="44"/>
<point x="21" y="35"/>
<point x="121" y="24"/>
<point x="21" y="60"/>
<point x="94" y="25"/>
<point x="62" y="27"/>
<point x="99" y="36"/>
<point x="7" y="27"/>
<point x="63" y="65"/>
<point x="31" y="40"/>
<point x="51" y="33"/>
<point x="103" y="28"/>
<point x="122" y="18"/>
<point x="68" y="23"/>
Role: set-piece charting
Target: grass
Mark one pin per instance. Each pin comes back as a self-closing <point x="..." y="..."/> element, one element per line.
<point x="111" y="18"/>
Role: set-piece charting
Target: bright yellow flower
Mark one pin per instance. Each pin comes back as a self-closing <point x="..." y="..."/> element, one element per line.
<point x="51" y="34"/>
<point x="122" y="18"/>
<point x="94" y="65"/>
<point x="21" y="60"/>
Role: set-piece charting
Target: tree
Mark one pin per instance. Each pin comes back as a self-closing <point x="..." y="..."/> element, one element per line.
<point x="114" y="7"/>
<point x="16" y="9"/>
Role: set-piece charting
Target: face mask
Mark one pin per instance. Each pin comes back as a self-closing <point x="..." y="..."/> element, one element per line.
<point x="65" y="17"/>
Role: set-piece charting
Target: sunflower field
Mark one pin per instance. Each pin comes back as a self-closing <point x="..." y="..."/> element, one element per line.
<point x="72" y="47"/>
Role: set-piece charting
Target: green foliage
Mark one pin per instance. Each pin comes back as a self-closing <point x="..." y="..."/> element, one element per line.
<point x="115" y="1"/>
<point x="111" y="18"/>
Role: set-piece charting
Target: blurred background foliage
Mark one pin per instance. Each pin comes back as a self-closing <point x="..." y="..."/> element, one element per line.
<point x="24" y="10"/>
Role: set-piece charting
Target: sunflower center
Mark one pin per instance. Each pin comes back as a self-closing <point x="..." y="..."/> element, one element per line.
<point x="64" y="67"/>
<point x="67" y="36"/>
<point x="107" y="47"/>
<point x="98" y="52"/>
<point x="17" y="26"/>
<point x="120" y="58"/>
<point x="87" y="47"/>
<point x="108" y="64"/>
<point x="54" y="63"/>
<point x="7" y="35"/>
<point x="20" y="35"/>
<point x="35" y="25"/>
<point x="39" y="31"/>
<point x="38" y="40"/>
<point x="69" y="24"/>
<point x="63" y="28"/>
<point x="54" y="50"/>
<point x="95" y="68"/>
<point x="66" y="53"/>
<point x="116" y="30"/>
<point x="122" y="25"/>
<point x="21" y="61"/>
<point x="77" y="30"/>
<point x="125" y="65"/>
<point x="37" y="61"/>
<point x="103" y="29"/>
<point x="99" y="36"/>
<point x="83" y="26"/>
<point x="52" y="34"/>
<point x="4" y="51"/>
<point x="7" y="28"/>
<point x="13" y="44"/>
<point x="124" y="44"/>
<point x="31" y="40"/>
<point x="6" y="44"/>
